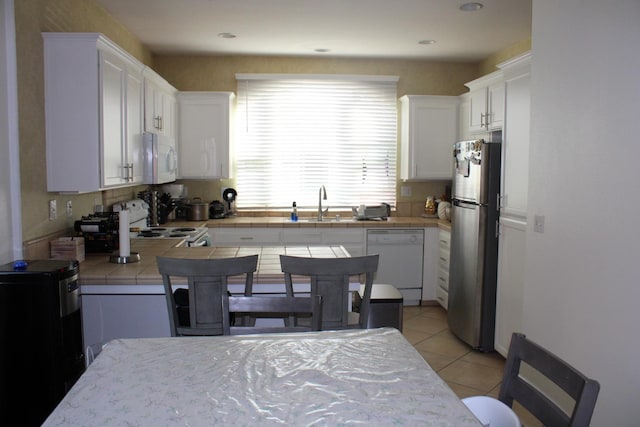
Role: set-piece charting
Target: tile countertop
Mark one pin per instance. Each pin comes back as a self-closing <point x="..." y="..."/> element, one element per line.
<point x="329" y="222"/>
<point x="96" y="270"/>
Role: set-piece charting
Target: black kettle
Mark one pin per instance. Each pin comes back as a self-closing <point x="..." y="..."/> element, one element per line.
<point x="216" y="210"/>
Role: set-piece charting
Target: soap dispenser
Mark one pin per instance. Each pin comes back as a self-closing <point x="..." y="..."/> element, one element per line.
<point x="294" y="212"/>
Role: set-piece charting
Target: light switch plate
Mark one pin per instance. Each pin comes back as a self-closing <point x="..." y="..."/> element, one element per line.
<point x="538" y="223"/>
<point x="53" y="210"/>
<point x="405" y="191"/>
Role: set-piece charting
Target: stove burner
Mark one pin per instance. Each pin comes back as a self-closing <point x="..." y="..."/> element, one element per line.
<point x="178" y="235"/>
<point x="158" y="229"/>
<point x="184" y="229"/>
<point x="149" y="233"/>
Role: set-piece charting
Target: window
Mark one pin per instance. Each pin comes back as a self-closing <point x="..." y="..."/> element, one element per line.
<point x="298" y="133"/>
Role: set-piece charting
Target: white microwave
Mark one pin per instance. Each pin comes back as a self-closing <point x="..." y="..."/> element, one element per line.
<point x="160" y="159"/>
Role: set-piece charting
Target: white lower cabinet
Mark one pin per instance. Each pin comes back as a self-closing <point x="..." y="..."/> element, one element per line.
<point x="442" y="287"/>
<point x="106" y="317"/>
<point x="511" y="261"/>
<point x="244" y="236"/>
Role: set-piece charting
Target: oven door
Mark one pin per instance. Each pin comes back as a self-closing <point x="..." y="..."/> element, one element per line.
<point x="199" y="242"/>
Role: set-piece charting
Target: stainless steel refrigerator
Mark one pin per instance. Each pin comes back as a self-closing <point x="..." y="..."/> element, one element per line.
<point x="474" y="242"/>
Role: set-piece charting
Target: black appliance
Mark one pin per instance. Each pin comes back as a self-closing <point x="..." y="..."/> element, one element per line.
<point x="100" y="231"/>
<point x="216" y="210"/>
<point x="41" y="353"/>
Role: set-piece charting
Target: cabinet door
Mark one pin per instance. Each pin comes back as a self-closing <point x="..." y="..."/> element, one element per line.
<point x="151" y="101"/>
<point x="494" y="117"/>
<point x="477" y="110"/>
<point x="515" y="158"/>
<point x="511" y="261"/>
<point x="429" y="130"/>
<point x="113" y="93"/>
<point x="203" y="145"/>
<point x="244" y="236"/>
<point x="134" y="127"/>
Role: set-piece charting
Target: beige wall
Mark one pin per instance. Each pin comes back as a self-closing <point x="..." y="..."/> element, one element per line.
<point x="489" y="65"/>
<point x="32" y="18"/>
<point x="217" y="73"/>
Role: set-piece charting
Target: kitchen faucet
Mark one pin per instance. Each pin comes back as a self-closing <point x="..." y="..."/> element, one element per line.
<point x="321" y="192"/>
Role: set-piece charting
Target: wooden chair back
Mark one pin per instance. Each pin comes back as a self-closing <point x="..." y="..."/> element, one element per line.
<point x="330" y="278"/>
<point x="207" y="281"/>
<point x="271" y="305"/>
<point x="583" y="390"/>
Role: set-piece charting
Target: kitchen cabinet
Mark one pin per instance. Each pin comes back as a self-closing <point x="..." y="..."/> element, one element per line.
<point x="429" y="127"/>
<point x="511" y="262"/>
<point x="442" y="289"/>
<point x="464" y="132"/>
<point x="160" y="105"/>
<point x="107" y="317"/>
<point x="245" y="236"/>
<point x="513" y="206"/>
<point x="515" y="144"/>
<point x="353" y="240"/>
<point x="205" y="132"/>
<point x="486" y="103"/>
<point x="93" y="112"/>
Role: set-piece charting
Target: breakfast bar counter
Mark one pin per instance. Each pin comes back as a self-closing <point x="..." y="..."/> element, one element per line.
<point x="128" y="300"/>
<point x="99" y="276"/>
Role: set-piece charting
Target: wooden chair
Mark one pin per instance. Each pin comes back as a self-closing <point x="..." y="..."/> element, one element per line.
<point x="207" y="283"/>
<point x="330" y="277"/>
<point x="257" y="305"/>
<point x="583" y="390"/>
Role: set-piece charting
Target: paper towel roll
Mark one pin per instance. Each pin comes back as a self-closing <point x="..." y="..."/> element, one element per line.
<point x="123" y="233"/>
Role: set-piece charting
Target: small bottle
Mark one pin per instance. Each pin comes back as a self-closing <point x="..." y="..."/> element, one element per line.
<point x="294" y="212"/>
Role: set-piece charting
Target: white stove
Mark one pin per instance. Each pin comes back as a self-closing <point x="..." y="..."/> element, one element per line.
<point x="138" y="214"/>
<point x="193" y="236"/>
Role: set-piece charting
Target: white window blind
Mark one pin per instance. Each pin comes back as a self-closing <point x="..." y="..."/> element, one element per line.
<point x="297" y="133"/>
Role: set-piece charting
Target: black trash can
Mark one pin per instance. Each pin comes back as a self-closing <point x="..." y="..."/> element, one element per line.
<point x="386" y="306"/>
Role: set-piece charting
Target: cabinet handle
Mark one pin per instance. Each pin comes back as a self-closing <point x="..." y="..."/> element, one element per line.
<point x="246" y="238"/>
<point x="128" y="172"/>
<point x="161" y="123"/>
<point x="157" y="120"/>
<point x="481" y="120"/>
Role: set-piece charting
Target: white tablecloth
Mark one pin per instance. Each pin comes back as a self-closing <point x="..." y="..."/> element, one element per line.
<point x="369" y="377"/>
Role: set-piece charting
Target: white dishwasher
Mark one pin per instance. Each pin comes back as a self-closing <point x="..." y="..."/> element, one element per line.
<point x="401" y="256"/>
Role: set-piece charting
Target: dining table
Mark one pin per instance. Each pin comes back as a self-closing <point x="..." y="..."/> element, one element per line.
<point x="346" y="377"/>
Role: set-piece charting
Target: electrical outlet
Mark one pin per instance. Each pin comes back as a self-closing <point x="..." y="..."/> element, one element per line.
<point x="69" y="208"/>
<point x="405" y="191"/>
<point x="538" y="223"/>
<point x="53" y="210"/>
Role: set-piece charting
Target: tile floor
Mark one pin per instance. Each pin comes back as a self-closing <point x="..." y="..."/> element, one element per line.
<point x="466" y="371"/>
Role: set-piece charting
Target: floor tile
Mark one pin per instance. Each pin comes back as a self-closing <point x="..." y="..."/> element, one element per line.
<point x="474" y="375"/>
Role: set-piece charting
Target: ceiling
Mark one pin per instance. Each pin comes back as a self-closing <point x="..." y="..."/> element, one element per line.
<point x="346" y="28"/>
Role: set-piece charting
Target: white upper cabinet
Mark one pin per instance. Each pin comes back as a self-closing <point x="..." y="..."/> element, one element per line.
<point x="515" y="144"/>
<point x="93" y="113"/>
<point x="429" y="128"/>
<point x="486" y="103"/>
<point x="204" y="149"/>
<point x="160" y="105"/>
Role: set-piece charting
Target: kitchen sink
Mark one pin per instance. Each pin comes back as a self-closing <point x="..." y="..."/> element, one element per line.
<point x="326" y="220"/>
